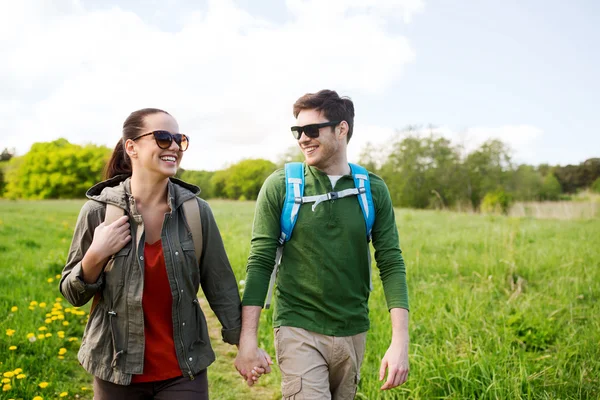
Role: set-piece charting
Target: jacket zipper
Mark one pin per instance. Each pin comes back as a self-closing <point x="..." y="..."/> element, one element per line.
<point x="178" y="300"/>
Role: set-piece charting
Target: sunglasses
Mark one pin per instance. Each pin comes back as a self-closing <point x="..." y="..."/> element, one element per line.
<point x="165" y="138"/>
<point x="312" y="130"/>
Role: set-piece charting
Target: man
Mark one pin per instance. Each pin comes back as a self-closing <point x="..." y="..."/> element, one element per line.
<point x="323" y="284"/>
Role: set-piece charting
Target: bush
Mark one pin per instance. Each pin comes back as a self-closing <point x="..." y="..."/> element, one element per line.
<point x="596" y="186"/>
<point x="55" y="170"/>
<point x="496" y="202"/>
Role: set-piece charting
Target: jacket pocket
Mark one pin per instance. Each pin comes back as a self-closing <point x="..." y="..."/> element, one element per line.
<point x="114" y="272"/>
<point x="200" y="333"/>
<point x="97" y="342"/>
<point x="291" y="388"/>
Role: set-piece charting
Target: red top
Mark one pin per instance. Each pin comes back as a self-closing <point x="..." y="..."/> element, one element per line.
<point x="160" y="359"/>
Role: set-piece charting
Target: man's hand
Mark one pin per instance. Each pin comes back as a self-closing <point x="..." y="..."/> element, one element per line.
<point x="251" y="363"/>
<point x="396" y="363"/>
<point x="395" y="359"/>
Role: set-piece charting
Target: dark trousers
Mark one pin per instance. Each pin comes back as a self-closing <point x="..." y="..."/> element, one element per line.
<point x="181" y="388"/>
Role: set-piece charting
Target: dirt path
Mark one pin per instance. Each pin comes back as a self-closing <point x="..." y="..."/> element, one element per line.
<point x="224" y="379"/>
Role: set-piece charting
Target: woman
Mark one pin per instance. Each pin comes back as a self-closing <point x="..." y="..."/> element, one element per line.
<point x="147" y="336"/>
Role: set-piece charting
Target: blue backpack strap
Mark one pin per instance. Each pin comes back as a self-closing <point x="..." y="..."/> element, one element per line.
<point x="365" y="199"/>
<point x="294" y="185"/>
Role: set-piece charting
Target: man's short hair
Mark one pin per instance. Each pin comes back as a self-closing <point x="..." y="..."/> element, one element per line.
<point x="334" y="107"/>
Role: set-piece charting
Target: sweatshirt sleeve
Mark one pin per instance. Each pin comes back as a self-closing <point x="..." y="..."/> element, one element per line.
<point x="265" y="235"/>
<point x="72" y="286"/>
<point x="387" y="247"/>
<point x="217" y="278"/>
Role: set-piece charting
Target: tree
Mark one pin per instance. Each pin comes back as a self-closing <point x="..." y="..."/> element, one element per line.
<point x="202" y="179"/>
<point x="54" y="170"/>
<point x="242" y="180"/>
<point x="487" y="169"/>
<point x="551" y="188"/>
<point x="292" y="154"/>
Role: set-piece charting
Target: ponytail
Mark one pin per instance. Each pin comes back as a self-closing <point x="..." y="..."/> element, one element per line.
<point x="119" y="162"/>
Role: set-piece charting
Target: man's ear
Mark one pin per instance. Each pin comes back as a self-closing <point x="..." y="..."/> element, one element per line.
<point x="130" y="148"/>
<point x="342" y="130"/>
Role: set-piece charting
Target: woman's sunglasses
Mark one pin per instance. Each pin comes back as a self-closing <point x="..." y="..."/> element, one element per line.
<point x="312" y="130"/>
<point x="165" y="138"/>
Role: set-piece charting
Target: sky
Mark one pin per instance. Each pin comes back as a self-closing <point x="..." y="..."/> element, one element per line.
<point x="525" y="72"/>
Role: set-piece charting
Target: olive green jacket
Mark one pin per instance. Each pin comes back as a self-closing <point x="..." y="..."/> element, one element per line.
<point x="112" y="347"/>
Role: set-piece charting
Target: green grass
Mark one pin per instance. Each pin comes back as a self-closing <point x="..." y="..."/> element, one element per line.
<point x="501" y="308"/>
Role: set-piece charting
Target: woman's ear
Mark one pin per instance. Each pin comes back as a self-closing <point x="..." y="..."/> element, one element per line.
<point x="131" y="148"/>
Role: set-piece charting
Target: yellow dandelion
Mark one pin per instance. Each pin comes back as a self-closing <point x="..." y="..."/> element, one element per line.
<point x="33" y="303"/>
<point x="8" y="374"/>
<point x="61" y="316"/>
<point x="42" y="328"/>
<point x="38" y="398"/>
<point x="48" y="321"/>
<point x="58" y="299"/>
<point x="41" y="336"/>
<point x="31" y="308"/>
<point x="43" y="385"/>
<point x="62" y="351"/>
<point x="61" y="334"/>
<point x="50" y="280"/>
<point x="73" y="339"/>
<point x="57" y="276"/>
<point x="61" y="357"/>
<point x="6" y="387"/>
<point x="10" y="332"/>
<point x="14" y="309"/>
<point x="30" y="335"/>
<point x="12" y="348"/>
<point x="64" y="394"/>
<point x="65" y="323"/>
<point x="18" y="370"/>
<point x="48" y="334"/>
<point x="84" y="388"/>
<point x="5" y="380"/>
<point x="57" y="306"/>
<point x="42" y="305"/>
<point x="21" y="376"/>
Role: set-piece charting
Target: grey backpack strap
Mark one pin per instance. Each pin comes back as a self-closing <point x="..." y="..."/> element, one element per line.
<point x="191" y="210"/>
<point x="113" y="213"/>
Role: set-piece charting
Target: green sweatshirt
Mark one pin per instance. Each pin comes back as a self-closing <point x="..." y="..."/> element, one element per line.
<point x="323" y="282"/>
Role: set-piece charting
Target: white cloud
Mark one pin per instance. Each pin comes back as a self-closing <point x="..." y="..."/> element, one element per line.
<point x="229" y="77"/>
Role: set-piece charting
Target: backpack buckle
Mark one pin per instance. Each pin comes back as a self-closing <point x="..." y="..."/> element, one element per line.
<point x="332" y="196"/>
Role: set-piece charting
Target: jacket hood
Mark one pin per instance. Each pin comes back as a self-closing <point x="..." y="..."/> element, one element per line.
<point x="117" y="191"/>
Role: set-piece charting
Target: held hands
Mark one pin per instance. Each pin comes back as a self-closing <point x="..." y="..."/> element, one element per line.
<point x="251" y="363"/>
<point x="109" y="239"/>
<point x="396" y="363"/>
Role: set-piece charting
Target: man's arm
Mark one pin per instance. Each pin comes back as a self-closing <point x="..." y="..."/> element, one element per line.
<point x="393" y="277"/>
<point x="396" y="356"/>
<point x="261" y="261"/>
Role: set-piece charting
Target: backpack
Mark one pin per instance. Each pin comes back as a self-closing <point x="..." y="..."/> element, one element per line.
<point x="191" y="211"/>
<point x="294" y="198"/>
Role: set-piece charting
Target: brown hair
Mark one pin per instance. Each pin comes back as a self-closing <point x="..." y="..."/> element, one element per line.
<point x="334" y="107"/>
<point x="119" y="162"/>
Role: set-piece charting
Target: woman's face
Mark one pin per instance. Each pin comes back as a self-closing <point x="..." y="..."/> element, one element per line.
<point x="146" y="154"/>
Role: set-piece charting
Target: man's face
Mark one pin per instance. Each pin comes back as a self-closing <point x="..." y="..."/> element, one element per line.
<point x="322" y="151"/>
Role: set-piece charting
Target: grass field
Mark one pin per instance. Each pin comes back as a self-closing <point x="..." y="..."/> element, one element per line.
<point x="501" y="308"/>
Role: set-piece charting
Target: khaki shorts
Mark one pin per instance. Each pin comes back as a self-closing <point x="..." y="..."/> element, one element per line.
<point x="320" y="367"/>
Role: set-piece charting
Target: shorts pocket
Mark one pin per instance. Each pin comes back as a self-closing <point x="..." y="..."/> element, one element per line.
<point x="291" y="388"/>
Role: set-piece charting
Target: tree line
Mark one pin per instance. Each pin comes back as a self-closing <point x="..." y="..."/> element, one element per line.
<point x="421" y="171"/>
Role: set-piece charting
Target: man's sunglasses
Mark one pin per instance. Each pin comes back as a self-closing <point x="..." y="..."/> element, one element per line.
<point x="312" y="130"/>
<point x="165" y="138"/>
